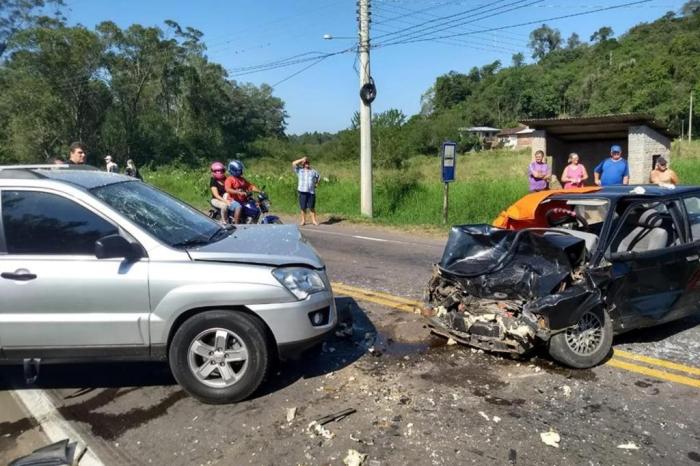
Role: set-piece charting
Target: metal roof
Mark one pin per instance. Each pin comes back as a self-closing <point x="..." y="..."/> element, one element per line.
<point x="613" y="126"/>
<point x="479" y="129"/>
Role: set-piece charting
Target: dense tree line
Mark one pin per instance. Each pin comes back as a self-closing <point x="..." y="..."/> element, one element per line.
<point x="142" y="92"/>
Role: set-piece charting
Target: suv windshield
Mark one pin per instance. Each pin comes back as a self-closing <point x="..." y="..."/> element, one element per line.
<point x="168" y="219"/>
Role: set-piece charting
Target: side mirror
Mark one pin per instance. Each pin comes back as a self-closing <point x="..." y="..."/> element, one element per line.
<point x="112" y="246"/>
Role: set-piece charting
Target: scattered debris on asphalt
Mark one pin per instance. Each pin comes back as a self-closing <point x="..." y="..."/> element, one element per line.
<point x="566" y="390"/>
<point x="550" y="438"/>
<point x="628" y="446"/>
<point x="354" y="458"/>
<point x="291" y="414"/>
<point x="317" y="427"/>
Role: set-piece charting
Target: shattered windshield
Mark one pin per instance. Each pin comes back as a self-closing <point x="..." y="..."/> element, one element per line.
<point x="171" y="221"/>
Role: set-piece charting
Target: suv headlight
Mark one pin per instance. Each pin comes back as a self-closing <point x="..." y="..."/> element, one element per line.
<point x="300" y="281"/>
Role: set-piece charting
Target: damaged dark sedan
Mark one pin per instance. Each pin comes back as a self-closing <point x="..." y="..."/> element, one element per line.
<point x="569" y="269"/>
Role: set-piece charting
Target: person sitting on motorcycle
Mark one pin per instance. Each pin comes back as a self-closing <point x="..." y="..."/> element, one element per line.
<point x="218" y="190"/>
<point x="237" y="188"/>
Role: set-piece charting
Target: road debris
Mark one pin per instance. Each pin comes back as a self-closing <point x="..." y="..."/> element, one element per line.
<point x="566" y="390"/>
<point x="451" y="341"/>
<point x="484" y="415"/>
<point x="317" y="427"/>
<point x="354" y="458"/>
<point x="291" y="414"/>
<point x="628" y="446"/>
<point x="550" y="438"/>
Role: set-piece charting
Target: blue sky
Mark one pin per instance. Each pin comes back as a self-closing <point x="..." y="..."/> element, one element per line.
<point x="242" y="33"/>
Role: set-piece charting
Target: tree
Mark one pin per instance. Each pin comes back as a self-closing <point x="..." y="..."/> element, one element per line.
<point x="602" y="34"/>
<point x="573" y="41"/>
<point x="691" y="7"/>
<point x="518" y="59"/>
<point x="16" y="15"/>
<point x="543" y="41"/>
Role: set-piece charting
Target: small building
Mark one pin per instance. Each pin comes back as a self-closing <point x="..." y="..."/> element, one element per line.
<point x="515" y="138"/>
<point x="640" y="136"/>
<point x="484" y="132"/>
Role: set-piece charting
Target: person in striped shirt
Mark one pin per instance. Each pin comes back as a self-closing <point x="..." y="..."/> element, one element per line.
<point x="308" y="180"/>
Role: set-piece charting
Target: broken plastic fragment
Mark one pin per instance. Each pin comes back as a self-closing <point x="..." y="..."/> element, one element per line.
<point x="354" y="458"/>
<point x="317" y="429"/>
<point x="550" y="438"/>
<point x="628" y="446"/>
<point x="291" y="413"/>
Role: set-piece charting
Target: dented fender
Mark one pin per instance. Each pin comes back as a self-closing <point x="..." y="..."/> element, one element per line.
<point x="563" y="310"/>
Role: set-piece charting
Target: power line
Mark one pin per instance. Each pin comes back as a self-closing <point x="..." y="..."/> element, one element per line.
<point x="428" y="31"/>
<point x="298" y="72"/>
<point x="528" y="23"/>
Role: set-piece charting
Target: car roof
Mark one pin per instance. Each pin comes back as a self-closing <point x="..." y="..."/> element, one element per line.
<point x="83" y="176"/>
<point x="632" y="190"/>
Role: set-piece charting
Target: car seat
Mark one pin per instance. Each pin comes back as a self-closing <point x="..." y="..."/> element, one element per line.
<point x="647" y="235"/>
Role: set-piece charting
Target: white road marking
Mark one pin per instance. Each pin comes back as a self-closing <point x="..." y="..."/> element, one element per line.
<point x="39" y="405"/>
<point x="369" y="238"/>
<point x="373" y="239"/>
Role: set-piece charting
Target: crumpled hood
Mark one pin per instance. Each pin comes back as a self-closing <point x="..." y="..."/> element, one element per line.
<point x="497" y="263"/>
<point x="261" y="244"/>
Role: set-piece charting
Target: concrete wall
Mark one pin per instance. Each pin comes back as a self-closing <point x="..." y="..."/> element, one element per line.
<point x="644" y="143"/>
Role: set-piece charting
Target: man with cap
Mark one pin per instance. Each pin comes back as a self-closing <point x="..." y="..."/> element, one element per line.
<point x="661" y="174"/>
<point x="110" y="165"/>
<point x="613" y="170"/>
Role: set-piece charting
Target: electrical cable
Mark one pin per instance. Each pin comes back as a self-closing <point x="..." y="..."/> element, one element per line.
<point x="510" y="26"/>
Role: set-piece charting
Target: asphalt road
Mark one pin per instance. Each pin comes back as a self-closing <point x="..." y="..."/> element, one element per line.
<point x="418" y="401"/>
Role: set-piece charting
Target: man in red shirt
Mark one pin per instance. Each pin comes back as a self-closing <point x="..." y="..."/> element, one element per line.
<point x="237" y="188"/>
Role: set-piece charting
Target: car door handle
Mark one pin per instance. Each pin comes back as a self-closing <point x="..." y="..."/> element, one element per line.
<point x="692" y="258"/>
<point x="23" y="277"/>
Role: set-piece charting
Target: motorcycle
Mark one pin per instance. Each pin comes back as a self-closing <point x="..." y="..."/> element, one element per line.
<point x="254" y="211"/>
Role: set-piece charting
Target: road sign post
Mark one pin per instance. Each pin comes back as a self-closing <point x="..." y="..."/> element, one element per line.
<point x="449" y="157"/>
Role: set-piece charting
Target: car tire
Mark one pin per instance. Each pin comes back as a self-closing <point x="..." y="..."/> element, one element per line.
<point x="587" y="343"/>
<point x="220" y="356"/>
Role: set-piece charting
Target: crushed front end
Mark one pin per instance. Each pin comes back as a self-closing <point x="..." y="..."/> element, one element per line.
<point x="508" y="291"/>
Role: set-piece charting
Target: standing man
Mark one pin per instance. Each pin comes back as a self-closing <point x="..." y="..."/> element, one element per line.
<point x="662" y="175"/>
<point x="77" y="154"/>
<point x="613" y="170"/>
<point x="538" y="173"/>
<point x="308" y="180"/>
<point x="110" y="165"/>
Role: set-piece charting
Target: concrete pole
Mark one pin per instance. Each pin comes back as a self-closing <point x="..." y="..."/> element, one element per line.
<point x="690" y="118"/>
<point x="365" y="116"/>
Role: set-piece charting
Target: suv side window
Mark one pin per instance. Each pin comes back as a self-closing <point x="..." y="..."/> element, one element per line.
<point x="43" y="223"/>
<point x="692" y="207"/>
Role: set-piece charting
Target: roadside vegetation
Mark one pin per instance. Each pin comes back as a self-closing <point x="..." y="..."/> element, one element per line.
<point x="487" y="182"/>
<point x="151" y="94"/>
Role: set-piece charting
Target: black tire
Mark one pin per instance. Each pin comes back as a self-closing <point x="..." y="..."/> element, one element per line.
<point x="243" y="332"/>
<point x="564" y="349"/>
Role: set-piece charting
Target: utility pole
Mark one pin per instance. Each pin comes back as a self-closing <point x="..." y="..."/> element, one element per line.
<point x="690" y="118"/>
<point x="365" y="115"/>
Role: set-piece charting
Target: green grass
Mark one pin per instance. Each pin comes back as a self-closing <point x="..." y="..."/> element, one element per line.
<point x="487" y="182"/>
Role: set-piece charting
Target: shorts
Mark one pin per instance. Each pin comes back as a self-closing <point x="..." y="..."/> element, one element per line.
<point x="307" y="200"/>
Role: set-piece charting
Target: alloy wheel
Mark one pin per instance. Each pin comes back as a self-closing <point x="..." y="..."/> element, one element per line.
<point x="587" y="336"/>
<point x="218" y="357"/>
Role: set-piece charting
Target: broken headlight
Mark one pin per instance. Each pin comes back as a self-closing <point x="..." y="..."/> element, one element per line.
<point x="300" y="281"/>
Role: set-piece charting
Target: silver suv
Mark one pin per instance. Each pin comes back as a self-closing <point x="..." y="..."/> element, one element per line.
<point x="98" y="265"/>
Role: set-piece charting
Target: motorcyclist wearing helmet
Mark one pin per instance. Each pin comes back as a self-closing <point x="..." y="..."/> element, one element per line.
<point x="218" y="190"/>
<point x="237" y="188"/>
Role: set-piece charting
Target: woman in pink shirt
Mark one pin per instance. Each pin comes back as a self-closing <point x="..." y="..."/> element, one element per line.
<point x="574" y="174"/>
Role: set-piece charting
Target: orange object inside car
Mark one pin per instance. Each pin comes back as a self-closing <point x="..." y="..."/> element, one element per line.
<point x="526" y="212"/>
